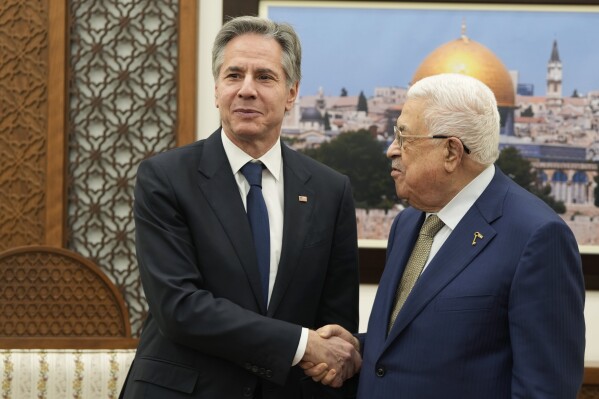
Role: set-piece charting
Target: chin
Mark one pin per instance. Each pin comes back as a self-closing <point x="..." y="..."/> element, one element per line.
<point x="403" y="196"/>
<point x="247" y="131"/>
<point x="399" y="192"/>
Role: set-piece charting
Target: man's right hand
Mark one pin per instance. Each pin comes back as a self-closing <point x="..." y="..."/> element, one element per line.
<point x="335" y="330"/>
<point x="332" y="355"/>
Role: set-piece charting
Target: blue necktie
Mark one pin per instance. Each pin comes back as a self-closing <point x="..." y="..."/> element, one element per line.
<point x="258" y="216"/>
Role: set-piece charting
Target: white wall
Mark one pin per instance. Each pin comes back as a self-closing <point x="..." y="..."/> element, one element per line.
<point x="211" y="16"/>
<point x="591" y="314"/>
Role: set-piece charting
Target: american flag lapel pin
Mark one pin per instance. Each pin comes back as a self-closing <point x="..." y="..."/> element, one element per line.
<point x="302" y="198"/>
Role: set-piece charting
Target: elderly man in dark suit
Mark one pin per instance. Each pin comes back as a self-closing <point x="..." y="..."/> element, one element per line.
<point x="244" y="246"/>
<point x="482" y="295"/>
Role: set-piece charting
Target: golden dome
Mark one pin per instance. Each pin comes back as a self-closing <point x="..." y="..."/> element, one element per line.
<point x="470" y="58"/>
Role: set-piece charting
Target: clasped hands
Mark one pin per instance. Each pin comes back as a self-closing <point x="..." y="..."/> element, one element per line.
<point x="332" y="355"/>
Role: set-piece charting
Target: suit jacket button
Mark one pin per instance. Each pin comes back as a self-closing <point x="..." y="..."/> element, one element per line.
<point x="248" y="392"/>
<point x="254" y="369"/>
<point x="380" y="371"/>
<point x="268" y="373"/>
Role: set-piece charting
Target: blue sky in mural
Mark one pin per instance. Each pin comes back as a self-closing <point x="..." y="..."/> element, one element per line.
<point x="360" y="49"/>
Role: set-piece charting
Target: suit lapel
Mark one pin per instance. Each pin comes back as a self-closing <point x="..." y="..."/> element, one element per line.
<point x="399" y="247"/>
<point x="218" y="185"/>
<point x="297" y="215"/>
<point x="456" y="253"/>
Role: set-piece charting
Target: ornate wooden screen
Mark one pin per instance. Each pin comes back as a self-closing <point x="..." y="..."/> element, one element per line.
<point x="23" y="123"/>
<point x="87" y="90"/>
<point x="54" y="298"/>
<point x="122" y="109"/>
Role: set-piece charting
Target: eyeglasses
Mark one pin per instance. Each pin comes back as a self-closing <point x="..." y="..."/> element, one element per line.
<point x="401" y="138"/>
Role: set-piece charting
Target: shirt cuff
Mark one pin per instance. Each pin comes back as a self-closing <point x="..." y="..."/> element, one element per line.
<point x="301" y="347"/>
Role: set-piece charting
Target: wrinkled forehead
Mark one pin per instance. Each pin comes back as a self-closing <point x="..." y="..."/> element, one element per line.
<point x="411" y="119"/>
<point x="252" y="51"/>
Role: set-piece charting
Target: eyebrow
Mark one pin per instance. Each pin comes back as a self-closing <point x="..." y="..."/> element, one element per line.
<point x="267" y="70"/>
<point x="234" y="68"/>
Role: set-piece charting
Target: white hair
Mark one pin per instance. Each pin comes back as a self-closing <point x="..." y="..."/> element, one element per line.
<point x="464" y="107"/>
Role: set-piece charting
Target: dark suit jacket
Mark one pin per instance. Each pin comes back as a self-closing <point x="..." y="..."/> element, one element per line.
<point x="499" y="319"/>
<point x="207" y="334"/>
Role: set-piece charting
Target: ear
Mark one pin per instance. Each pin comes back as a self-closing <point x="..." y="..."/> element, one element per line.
<point x="454" y="151"/>
<point x="291" y="96"/>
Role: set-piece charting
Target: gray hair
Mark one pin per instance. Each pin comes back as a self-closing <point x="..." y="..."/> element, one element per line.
<point x="464" y="107"/>
<point x="281" y="32"/>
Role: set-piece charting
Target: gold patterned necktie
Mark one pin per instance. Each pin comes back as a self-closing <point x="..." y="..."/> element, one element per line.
<point x="416" y="263"/>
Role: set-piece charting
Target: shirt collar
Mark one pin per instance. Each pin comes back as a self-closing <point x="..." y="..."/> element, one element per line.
<point x="272" y="160"/>
<point x="454" y="211"/>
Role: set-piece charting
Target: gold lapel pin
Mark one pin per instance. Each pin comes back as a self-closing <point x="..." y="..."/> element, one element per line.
<point x="476" y="235"/>
<point x="302" y="198"/>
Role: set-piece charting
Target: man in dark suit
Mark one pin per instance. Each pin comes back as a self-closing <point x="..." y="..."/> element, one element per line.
<point x="497" y="311"/>
<point x="219" y="325"/>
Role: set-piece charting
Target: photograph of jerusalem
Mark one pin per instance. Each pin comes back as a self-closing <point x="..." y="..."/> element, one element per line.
<point x="359" y="61"/>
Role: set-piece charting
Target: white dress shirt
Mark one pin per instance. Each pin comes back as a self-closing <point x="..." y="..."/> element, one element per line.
<point x="454" y="211"/>
<point x="273" y="193"/>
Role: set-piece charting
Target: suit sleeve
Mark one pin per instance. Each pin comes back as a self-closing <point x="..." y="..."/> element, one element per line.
<point x="390" y="243"/>
<point x="186" y="312"/>
<point x="546" y="318"/>
<point x="340" y="294"/>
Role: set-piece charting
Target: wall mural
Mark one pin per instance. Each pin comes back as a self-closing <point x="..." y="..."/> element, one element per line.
<point x="360" y="58"/>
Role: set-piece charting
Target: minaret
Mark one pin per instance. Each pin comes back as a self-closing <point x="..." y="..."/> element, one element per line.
<point x="464" y="37"/>
<point x="320" y="102"/>
<point x="554" y="78"/>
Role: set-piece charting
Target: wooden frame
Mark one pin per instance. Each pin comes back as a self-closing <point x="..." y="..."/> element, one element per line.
<point x="235" y="8"/>
<point x="187" y="72"/>
<point x="56" y="194"/>
<point x="591" y="373"/>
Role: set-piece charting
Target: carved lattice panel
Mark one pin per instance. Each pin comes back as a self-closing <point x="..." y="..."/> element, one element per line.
<point x="53" y="293"/>
<point x="123" y="94"/>
<point x="23" y="121"/>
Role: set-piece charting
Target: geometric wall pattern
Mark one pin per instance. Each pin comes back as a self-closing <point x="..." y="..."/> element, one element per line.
<point x="122" y="108"/>
<point x="23" y="102"/>
<point x="51" y="292"/>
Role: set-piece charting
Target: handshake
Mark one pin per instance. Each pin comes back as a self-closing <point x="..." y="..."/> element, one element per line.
<point x="332" y="355"/>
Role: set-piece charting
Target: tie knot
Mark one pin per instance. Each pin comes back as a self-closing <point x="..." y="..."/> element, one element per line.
<point x="253" y="173"/>
<point x="431" y="226"/>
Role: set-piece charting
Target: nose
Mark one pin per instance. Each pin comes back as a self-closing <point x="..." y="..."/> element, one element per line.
<point x="394" y="150"/>
<point x="248" y="88"/>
